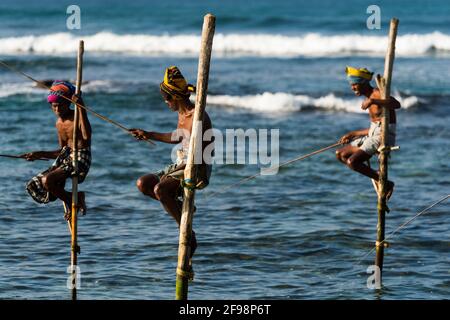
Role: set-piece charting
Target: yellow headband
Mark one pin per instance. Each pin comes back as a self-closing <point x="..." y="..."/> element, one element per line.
<point x="361" y="73"/>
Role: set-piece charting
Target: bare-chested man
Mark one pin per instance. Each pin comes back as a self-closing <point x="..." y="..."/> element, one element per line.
<point x="165" y="185"/>
<point x="49" y="185"/>
<point x="365" y="142"/>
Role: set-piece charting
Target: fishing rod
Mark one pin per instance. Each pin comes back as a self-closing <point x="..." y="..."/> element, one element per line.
<point x="42" y="84"/>
<point x="302" y="157"/>
<point x="20" y="157"/>
<point x="402" y="226"/>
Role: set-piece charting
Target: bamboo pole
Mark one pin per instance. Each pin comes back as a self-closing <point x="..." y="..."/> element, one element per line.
<point x="384" y="84"/>
<point x="190" y="172"/>
<point x="73" y="260"/>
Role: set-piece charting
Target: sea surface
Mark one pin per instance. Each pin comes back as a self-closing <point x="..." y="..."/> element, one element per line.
<point x="300" y="234"/>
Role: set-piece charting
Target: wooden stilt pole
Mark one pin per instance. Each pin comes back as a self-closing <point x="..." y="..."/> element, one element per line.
<point x="74" y="227"/>
<point x="190" y="172"/>
<point x="384" y="84"/>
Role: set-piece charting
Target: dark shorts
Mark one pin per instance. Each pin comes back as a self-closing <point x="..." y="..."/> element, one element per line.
<point x="64" y="161"/>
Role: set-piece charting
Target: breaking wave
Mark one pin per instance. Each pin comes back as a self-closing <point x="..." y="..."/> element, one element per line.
<point x="264" y="45"/>
<point x="265" y="102"/>
<point x="286" y="102"/>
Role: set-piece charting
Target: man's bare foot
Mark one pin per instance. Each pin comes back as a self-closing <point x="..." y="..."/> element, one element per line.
<point x="67" y="212"/>
<point x="82" y="203"/>
<point x="389" y="189"/>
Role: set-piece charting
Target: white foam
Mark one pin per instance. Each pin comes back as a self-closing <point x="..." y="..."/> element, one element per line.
<point x="266" y="102"/>
<point x="269" y="45"/>
<point x="285" y="102"/>
<point x="103" y="86"/>
<point x="11" y="89"/>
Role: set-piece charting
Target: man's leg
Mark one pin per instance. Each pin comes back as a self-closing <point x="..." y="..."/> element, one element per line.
<point x="344" y="153"/>
<point x="357" y="161"/>
<point x="54" y="182"/>
<point x="166" y="192"/>
<point x="146" y="184"/>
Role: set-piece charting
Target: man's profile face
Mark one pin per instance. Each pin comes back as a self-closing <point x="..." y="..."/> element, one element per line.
<point x="60" y="108"/>
<point x="356" y="88"/>
<point x="172" y="105"/>
<point x="169" y="101"/>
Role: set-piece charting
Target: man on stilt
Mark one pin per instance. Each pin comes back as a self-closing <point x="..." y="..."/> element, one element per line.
<point x="365" y="143"/>
<point x="49" y="185"/>
<point x="166" y="185"/>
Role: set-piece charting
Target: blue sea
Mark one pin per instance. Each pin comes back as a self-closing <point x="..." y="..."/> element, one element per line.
<point x="299" y="234"/>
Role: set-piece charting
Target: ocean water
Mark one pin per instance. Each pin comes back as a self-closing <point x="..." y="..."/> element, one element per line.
<point x="276" y="65"/>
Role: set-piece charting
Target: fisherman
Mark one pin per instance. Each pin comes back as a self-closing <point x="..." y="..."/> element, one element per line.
<point x="166" y="185"/>
<point x="364" y="143"/>
<point x="49" y="185"/>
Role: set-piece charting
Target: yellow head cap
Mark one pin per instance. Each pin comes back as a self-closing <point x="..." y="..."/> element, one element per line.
<point x="360" y="73"/>
<point x="175" y="84"/>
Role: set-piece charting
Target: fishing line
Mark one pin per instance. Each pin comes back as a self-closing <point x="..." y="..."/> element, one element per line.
<point x="302" y="157"/>
<point x="406" y="223"/>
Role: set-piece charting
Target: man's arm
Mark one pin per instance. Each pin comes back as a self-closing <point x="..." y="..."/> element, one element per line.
<point x="157" y="136"/>
<point x="31" y="156"/>
<point x="85" y="125"/>
<point x="391" y="103"/>
<point x="347" y="138"/>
